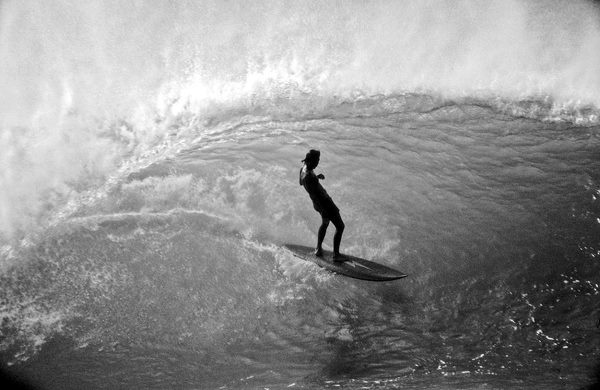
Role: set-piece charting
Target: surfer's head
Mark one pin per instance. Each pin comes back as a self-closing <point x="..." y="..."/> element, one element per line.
<point x="312" y="159"/>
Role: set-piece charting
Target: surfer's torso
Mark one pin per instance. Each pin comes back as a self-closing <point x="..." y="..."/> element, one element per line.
<point x="322" y="202"/>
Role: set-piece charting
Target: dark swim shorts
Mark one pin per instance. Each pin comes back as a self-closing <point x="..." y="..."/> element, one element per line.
<point x="328" y="210"/>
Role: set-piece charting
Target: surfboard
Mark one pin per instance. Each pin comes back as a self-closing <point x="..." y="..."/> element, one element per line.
<point x="354" y="267"/>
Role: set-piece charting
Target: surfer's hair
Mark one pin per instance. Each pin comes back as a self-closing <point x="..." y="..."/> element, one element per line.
<point x="311" y="156"/>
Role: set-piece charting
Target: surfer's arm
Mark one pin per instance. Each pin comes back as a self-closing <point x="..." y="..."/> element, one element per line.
<point x="321" y="176"/>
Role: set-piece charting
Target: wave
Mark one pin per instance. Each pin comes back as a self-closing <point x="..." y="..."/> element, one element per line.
<point x="46" y="180"/>
<point x="95" y="91"/>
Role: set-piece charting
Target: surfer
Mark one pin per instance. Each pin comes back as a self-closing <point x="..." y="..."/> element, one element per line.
<point x="323" y="203"/>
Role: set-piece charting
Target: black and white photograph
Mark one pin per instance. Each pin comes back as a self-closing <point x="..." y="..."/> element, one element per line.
<point x="300" y="194"/>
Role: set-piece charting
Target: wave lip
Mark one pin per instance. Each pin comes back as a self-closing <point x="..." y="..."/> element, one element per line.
<point x="214" y="54"/>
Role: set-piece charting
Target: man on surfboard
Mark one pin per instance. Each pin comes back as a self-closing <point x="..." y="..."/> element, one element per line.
<point x="323" y="203"/>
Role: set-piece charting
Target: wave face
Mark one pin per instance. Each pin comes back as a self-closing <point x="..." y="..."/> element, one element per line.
<point x="150" y="154"/>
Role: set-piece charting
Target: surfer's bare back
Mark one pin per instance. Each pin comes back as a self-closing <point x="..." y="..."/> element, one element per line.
<point x="323" y="203"/>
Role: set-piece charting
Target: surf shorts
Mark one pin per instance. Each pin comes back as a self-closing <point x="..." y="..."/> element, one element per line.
<point x="328" y="210"/>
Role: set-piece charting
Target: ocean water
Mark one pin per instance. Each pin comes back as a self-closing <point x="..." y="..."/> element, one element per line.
<point x="149" y="154"/>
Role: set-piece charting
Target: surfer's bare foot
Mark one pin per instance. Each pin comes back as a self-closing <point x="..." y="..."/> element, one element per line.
<point x="319" y="252"/>
<point x="339" y="258"/>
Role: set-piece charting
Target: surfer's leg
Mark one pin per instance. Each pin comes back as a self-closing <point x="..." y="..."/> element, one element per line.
<point x="321" y="237"/>
<point x="337" y="238"/>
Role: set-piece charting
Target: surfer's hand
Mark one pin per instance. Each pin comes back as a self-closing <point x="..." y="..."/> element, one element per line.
<point x="321" y="176"/>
